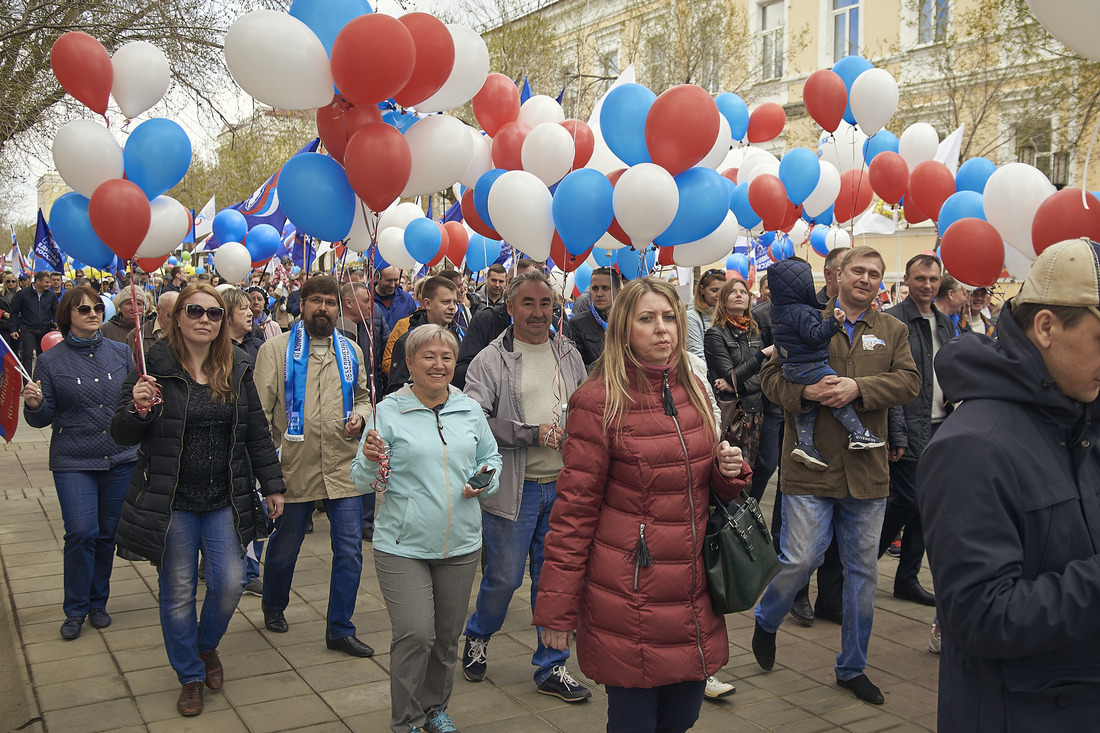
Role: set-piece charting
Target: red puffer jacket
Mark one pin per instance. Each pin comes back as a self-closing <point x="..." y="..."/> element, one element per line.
<point x="636" y="626"/>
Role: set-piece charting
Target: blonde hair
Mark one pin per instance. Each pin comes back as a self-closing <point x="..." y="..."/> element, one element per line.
<point x="218" y="365"/>
<point x="721" y="315"/>
<point x="422" y="335"/>
<point x="617" y="352"/>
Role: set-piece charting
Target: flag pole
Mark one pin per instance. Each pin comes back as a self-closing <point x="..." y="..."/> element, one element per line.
<point x="18" y="363"/>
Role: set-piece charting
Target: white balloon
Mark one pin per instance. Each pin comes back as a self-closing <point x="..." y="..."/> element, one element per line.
<point x="825" y="192"/>
<point x="141" y="77"/>
<point x="1072" y="22"/>
<point x="168" y="225"/>
<point x="711" y="248"/>
<point x="547" y="152"/>
<point x="232" y="261"/>
<point x="391" y="245"/>
<point x="645" y="202"/>
<point x="608" y="242"/>
<point x="874" y="99"/>
<point x="399" y="215"/>
<point x="1017" y="263"/>
<point x="540" y="109"/>
<point x="467" y="75"/>
<point x="721" y="148"/>
<point x="844" y="148"/>
<point x="359" y="238"/>
<point x="481" y="161"/>
<point x="441" y="150"/>
<point x="756" y="166"/>
<point x="837" y="238"/>
<point x="918" y="143"/>
<point x="520" y="208"/>
<point x="278" y="60"/>
<point x="86" y="154"/>
<point x="1012" y="196"/>
<point x="800" y="232"/>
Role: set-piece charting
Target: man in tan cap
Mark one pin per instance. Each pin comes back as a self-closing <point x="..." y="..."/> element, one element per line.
<point x="126" y="318"/>
<point x="1008" y="493"/>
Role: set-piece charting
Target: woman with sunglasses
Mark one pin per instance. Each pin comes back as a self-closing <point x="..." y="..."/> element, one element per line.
<point x="76" y="388"/>
<point x="202" y="442"/>
<point x="701" y="313"/>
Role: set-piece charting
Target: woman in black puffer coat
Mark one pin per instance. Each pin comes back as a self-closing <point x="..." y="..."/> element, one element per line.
<point x="192" y="486"/>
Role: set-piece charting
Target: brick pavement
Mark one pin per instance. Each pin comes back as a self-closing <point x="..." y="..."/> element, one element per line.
<point x="118" y="679"/>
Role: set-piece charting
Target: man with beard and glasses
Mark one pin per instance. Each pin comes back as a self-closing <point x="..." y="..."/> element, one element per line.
<point x="313" y="385"/>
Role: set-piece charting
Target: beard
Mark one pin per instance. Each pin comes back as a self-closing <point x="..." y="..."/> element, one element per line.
<point x="319" y="327"/>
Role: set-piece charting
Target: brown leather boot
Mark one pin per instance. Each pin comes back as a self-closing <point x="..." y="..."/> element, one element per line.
<point x="190" y="701"/>
<point x="214" y="673"/>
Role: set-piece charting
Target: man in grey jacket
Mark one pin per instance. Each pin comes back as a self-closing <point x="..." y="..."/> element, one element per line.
<point x="523" y="381"/>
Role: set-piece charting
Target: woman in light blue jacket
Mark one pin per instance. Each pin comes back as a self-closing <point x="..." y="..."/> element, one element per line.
<point x="427" y="532"/>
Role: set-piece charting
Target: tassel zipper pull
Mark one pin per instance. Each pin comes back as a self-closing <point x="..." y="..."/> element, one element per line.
<point x="640" y="555"/>
<point x="670" y="405"/>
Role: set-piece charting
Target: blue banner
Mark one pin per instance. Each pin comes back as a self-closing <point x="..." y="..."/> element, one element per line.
<point x="45" y="248"/>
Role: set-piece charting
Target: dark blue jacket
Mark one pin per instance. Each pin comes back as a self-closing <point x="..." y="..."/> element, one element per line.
<point x="401" y="306"/>
<point x="32" y="310"/>
<point x="81" y="385"/>
<point x="800" y="333"/>
<point x="1008" y="491"/>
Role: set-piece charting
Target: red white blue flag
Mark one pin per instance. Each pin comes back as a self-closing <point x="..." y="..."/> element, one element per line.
<point x="11" y="385"/>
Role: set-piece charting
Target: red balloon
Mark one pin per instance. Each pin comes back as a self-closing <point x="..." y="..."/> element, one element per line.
<point x="372" y="58"/>
<point x="854" y="196"/>
<point x="766" y="123"/>
<point x="339" y="121"/>
<point x="435" y="57"/>
<point x="584" y="142"/>
<point x="83" y="68"/>
<point x="768" y="198"/>
<point x="496" y="104"/>
<point x="444" y="245"/>
<point x="459" y="241"/>
<point x="470" y="216"/>
<point x="681" y="127"/>
<point x="730" y="173"/>
<point x="51" y="339"/>
<point x="561" y="257"/>
<point x="826" y="98"/>
<point x="794" y="213"/>
<point x="973" y="251"/>
<point x="150" y="264"/>
<point x="912" y="212"/>
<point x="507" y="144"/>
<point x="664" y="256"/>
<point x="930" y="184"/>
<point x="1063" y="216"/>
<point x="120" y="215"/>
<point x="889" y="176"/>
<point x="615" y="229"/>
<point x="378" y="164"/>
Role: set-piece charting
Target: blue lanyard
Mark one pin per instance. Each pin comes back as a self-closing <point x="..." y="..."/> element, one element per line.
<point x="596" y="315"/>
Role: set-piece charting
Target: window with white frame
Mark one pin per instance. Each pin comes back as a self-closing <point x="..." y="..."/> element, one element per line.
<point x="1035" y="145"/>
<point x="772" y="51"/>
<point x="932" y="21"/>
<point x="845" y="28"/>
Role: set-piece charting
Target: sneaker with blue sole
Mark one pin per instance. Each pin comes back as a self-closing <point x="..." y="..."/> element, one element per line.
<point x="808" y="456"/>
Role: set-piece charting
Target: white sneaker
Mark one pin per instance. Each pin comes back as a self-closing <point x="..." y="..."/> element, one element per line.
<point x="717" y="689"/>
<point x="934" y="639"/>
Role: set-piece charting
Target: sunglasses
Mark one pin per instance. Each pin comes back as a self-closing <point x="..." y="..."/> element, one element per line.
<point x="715" y="272"/>
<point x="195" y="311"/>
<point x="84" y="309"/>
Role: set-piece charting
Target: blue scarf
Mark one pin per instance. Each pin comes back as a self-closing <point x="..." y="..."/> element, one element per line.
<point x="297" y="366"/>
<point x="73" y="340"/>
<point x="597" y="316"/>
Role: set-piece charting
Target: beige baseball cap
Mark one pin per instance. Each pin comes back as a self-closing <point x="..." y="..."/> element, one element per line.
<point x="1066" y="273"/>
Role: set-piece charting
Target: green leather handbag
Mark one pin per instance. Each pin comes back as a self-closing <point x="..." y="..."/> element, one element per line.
<point x="738" y="555"/>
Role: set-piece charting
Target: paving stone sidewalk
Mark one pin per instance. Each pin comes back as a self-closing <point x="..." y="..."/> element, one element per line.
<point x="118" y="679"/>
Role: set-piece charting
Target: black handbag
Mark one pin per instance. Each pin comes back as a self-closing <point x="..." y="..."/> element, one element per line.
<point x="741" y="428"/>
<point x="738" y="555"/>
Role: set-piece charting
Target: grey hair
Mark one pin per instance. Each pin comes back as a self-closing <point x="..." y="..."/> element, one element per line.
<point x="167" y="295"/>
<point x="527" y="276"/>
<point x="423" y="335"/>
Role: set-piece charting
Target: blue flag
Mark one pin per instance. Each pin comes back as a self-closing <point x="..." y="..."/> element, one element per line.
<point x="526" y="92"/>
<point x="304" y="250"/>
<point x="45" y="248"/>
<point x="454" y="213"/>
<point x="262" y="207"/>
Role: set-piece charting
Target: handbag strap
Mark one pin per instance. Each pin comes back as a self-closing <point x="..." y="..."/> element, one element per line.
<point x="753" y="509"/>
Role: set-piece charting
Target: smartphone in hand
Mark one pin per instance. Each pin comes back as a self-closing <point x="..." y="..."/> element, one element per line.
<point x="481" y="480"/>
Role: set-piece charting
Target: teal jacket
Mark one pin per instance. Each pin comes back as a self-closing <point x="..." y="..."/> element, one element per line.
<point x="422" y="513"/>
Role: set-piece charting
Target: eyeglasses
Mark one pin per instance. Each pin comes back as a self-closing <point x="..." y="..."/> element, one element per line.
<point x="708" y="273"/>
<point x="84" y="309"/>
<point x="317" y="302"/>
<point x="195" y="311"/>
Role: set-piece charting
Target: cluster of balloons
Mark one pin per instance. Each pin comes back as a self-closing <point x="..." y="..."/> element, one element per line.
<point x="117" y="208"/>
<point x="242" y="248"/>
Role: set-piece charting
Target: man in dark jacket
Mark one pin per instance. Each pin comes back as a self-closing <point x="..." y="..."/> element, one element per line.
<point x="914" y="424"/>
<point x="390" y="298"/>
<point x="32" y="317"/>
<point x="588" y="325"/>
<point x="440" y="300"/>
<point x="1008" y="491"/>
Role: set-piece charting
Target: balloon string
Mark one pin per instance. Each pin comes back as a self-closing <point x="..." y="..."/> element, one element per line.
<point x="1085" y="174"/>
<point x="139" y="346"/>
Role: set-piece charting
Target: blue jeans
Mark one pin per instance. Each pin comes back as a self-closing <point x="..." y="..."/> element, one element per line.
<point x="807" y="373"/>
<point x="215" y="533"/>
<point x="368" y="511"/>
<point x="808" y="526"/>
<point x="345" y="518"/>
<point x="91" y="503"/>
<point x="508" y="546"/>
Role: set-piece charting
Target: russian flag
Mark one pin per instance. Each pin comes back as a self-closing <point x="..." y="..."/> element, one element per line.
<point x="11" y="386"/>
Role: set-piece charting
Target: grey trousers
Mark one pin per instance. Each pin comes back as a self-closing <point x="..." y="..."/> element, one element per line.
<point x="427" y="601"/>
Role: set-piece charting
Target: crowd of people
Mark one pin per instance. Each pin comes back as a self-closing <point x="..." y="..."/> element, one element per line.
<point x="580" y="443"/>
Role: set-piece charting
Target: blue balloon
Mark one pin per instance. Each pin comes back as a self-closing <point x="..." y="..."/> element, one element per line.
<point x="739" y="263"/>
<point x="423" y="239"/>
<point x="295" y="270"/>
<point x="880" y="142"/>
<point x="741" y="208"/>
<point x="634" y="264"/>
<point x="262" y="242"/>
<point x="961" y="205"/>
<point x="582" y="209"/>
<point x="481" y="193"/>
<point x="171" y="260"/>
<point x="157" y="156"/>
<point x="481" y="252"/>
<point x="736" y="112"/>
<point x="818" y="237"/>
<point x="315" y="195"/>
<point x="974" y="174"/>
<point x="73" y="231"/>
<point x="582" y="277"/>
<point x="622" y="122"/>
<point x="230" y="226"/>
<point x="200" y="270"/>
<point x="849" y="68"/>
<point x="76" y="264"/>
<point x="704" y="203"/>
<point x="799" y="171"/>
<point x="604" y="257"/>
<point x="108" y="307"/>
<point x="326" y="18"/>
<point x="402" y="120"/>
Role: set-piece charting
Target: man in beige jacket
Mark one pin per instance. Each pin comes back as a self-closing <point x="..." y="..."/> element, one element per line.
<point x="316" y="413"/>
